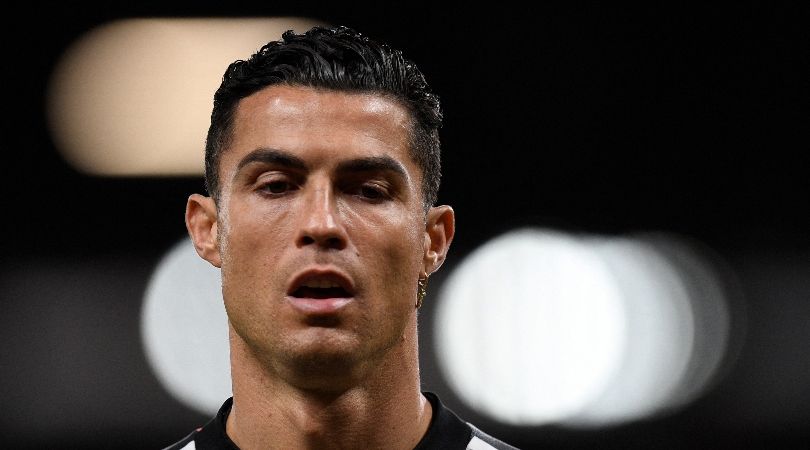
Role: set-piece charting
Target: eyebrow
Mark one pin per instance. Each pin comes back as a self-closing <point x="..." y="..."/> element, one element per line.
<point x="373" y="164"/>
<point x="271" y="156"/>
<point x="281" y="158"/>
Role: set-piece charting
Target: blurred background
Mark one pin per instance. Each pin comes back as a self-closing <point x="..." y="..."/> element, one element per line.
<point x="631" y="267"/>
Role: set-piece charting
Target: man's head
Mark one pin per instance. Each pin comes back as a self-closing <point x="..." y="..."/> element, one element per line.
<point x="322" y="174"/>
<point x="332" y="59"/>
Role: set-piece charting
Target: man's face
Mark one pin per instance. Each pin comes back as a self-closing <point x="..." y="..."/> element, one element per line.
<point x="321" y="227"/>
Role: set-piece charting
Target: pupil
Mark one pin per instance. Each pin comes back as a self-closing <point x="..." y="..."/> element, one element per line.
<point x="277" y="187"/>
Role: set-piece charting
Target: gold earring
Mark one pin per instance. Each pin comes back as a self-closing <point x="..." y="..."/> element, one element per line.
<point x="421" y="291"/>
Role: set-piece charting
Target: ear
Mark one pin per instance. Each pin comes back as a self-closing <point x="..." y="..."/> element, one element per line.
<point x="201" y="222"/>
<point x="440" y="227"/>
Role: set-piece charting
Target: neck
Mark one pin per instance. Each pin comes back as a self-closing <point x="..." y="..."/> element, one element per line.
<point x="377" y="405"/>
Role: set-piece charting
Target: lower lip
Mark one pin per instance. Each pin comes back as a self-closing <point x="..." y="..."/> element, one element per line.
<point x="319" y="306"/>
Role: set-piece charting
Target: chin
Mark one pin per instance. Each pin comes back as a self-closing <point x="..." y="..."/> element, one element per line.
<point x="323" y="348"/>
<point x="326" y="370"/>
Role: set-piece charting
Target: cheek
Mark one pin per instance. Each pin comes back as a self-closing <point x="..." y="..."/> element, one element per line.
<point x="394" y="242"/>
<point x="248" y="254"/>
<point x="253" y="232"/>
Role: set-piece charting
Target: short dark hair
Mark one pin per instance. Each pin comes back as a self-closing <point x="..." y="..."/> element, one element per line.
<point x="338" y="59"/>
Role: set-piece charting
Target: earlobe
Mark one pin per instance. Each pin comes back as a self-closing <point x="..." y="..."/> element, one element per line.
<point x="201" y="223"/>
<point x="439" y="230"/>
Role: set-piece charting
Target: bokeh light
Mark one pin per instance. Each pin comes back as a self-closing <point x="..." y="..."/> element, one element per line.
<point x="538" y="327"/>
<point x="530" y="327"/>
<point x="185" y="329"/>
<point x="134" y="97"/>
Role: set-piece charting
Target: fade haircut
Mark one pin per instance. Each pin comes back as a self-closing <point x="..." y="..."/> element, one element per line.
<point x="338" y="59"/>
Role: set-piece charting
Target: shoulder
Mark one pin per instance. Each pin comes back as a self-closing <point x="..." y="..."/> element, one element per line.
<point x="448" y="431"/>
<point x="211" y="436"/>
<point x="483" y="441"/>
<point x="187" y="443"/>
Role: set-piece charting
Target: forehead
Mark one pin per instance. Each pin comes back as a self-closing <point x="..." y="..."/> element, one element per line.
<point x="321" y="124"/>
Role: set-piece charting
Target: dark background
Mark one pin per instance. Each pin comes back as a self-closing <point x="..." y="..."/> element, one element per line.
<point x="599" y="119"/>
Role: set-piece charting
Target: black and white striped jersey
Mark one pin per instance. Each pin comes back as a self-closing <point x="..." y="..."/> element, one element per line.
<point x="447" y="432"/>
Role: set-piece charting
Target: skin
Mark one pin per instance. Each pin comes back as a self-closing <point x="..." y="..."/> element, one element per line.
<point x="321" y="183"/>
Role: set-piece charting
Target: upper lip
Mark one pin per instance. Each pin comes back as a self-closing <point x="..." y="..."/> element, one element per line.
<point x="321" y="275"/>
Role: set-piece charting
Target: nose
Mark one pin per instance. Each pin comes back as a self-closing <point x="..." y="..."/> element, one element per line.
<point x="321" y="224"/>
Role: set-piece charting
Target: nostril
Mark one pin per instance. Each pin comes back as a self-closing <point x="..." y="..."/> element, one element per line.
<point x="334" y="242"/>
<point x="327" y="242"/>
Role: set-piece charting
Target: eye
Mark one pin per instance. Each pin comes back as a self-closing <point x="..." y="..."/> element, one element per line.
<point x="371" y="192"/>
<point x="277" y="187"/>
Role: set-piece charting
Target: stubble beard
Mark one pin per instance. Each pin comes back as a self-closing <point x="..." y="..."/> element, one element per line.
<point x="329" y="363"/>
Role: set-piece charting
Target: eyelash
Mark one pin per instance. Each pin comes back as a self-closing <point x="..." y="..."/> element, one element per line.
<point x="377" y="193"/>
<point x="267" y="187"/>
<point x="373" y="192"/>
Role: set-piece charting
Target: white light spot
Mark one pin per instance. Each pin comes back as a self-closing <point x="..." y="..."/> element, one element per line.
<point x="538" y="327"/>
<point x="530" y="327"/>
<point x="707" y="281"/>
<point x="660" y="334"/>
<point x="185" y="329"/>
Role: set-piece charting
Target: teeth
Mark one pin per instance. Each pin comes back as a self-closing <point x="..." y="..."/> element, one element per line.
<point x="321" y="284"/>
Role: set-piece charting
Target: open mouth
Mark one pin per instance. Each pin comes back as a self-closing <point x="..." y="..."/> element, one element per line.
<point x="321" y="295"/>
<point x="320" y="292"/>
<point x="321" y="286"/>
